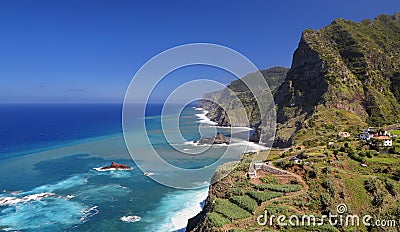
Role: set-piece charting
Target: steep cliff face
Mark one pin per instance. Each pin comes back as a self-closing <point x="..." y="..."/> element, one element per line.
<point x="274" y="77"/>
<point x="346" y="66"/>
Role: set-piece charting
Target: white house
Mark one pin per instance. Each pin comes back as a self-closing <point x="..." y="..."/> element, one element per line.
<point x="383" y="141"/>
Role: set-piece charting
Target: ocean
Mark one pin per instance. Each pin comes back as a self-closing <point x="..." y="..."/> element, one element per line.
<point x="48" y="153"/>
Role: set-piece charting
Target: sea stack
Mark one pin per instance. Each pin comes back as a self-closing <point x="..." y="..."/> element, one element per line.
<point x="116" y="166"/>
<point x="217" y="139"/>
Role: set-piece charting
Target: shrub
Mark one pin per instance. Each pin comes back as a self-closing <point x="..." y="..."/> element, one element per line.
<point x="327" y="170"/>
<point x="329" y="186"/>
<point x="326" y="200"/>
<point x="312" y="174"/>
<point x="285" y="188"/>
<point x="245" y="202"/>
<point x="294" y="182"/>
<point x="241" y="184"/>
<point x="269" y="180"/>
<point x="371" y="185"/>
<point x="236" y="191"/>
<point x="281" y="164"/>
<point x="261" y="197"/>
<point x="368" y="154"/>
<point x="355" y="157"/>
<point x="378" y="200"/>
<point x="274" y="209"/>
<point x="230" y="210"/>
<point x="391" y="188"/>
<point x="396" y="175"/>
<point x="217" y="220"/>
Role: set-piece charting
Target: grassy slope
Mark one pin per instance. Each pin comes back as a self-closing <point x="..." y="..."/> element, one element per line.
<point x="361" y="66"/>
<point x="347" y="178"/>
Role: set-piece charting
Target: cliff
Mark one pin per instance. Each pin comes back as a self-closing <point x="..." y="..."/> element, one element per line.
<point x="343" y="77"/>
<point x="346" y="66"/>
<point x="274" y="77"/>
<point x="346" y="70"/>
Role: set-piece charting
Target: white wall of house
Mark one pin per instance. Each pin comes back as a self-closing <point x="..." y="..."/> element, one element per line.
<point x="387" y="143"/>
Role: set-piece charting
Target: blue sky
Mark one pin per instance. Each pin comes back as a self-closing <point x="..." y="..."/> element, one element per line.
<point x="88" y="51"/>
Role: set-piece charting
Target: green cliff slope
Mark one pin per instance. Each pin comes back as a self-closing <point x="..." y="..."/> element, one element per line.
<point x="346" y="66"/>
<point x="348" y="71"/>
<point x="274" y="77"/>
<point x="343" y="77"/>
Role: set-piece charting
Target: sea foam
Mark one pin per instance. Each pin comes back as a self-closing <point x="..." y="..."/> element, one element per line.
<point x="204" y="119"/>
<point x="175" y="209"/>
<point x="130" y="218"/>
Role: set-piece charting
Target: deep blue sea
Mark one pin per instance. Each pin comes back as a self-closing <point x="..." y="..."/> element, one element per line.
<point x="53" y="149"/>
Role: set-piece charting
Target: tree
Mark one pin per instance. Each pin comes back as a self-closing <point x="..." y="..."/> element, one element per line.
<point x="371" y="186"/>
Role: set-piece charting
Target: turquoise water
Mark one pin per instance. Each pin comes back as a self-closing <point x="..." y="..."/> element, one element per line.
<point x="83" y="199"/>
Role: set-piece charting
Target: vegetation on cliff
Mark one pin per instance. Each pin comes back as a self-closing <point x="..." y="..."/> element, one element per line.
<point x="347" y="172"/>
<point x="347" y="70"/>
<point x="344" y="77"/>
<point x="274" y="77"/>
<point x="346" y="66"/>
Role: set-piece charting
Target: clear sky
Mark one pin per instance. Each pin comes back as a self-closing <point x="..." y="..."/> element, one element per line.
<point x="88" y="51"/>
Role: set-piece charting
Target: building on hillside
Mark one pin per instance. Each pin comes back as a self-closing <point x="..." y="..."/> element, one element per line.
<point x="300" y="147"/>
<point x="372" y="132"/>
<point x="258" y="166"/>
<point x="344" y="134"/>
<point x="382" y="141"/>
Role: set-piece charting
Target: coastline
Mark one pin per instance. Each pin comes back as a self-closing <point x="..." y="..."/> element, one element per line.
<point x="107" y="147"/>
<point x="191" y="222"/>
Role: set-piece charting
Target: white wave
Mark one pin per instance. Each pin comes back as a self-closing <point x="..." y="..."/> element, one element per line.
<point x="236" y="128"/>
<point x="113" y="173"/>
<point x="204" y="119"/>
<point x="130" y="218"/>
<point x="88" y="213"/>
<point x="201" y="183"/>
<point x="7" y="201"/>
<point x="49" y="215"/>
<point x="194" y="143"/>
<point x="221" y="145"/>
<point x="188" y="143"/>
<point x="61" y="185"/>
<point x="251" y="147"/>
<point x="175" y="209"/>
<point x="198" y="108"/>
